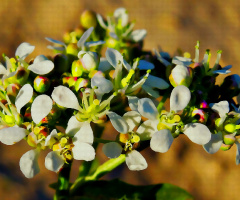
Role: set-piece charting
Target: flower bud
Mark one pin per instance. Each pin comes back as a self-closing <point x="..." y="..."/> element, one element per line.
<point x="181" y="75"/>
<point x="12" y="91"/>
<point x="41" y="84"/>
<point x="77" y="68"/>
<point x="229" y="139"/>
<point x="203" y="104"/>
<point x="72" y="49"/>
<point x="200" y="115"/>
<point x="225" y="147"/>
<point x="21" y="76"/>
<point x="61" y="63"/>
<point x="88" y="19"/>
<point x="90" y="60"/>
<point x="81" y="83"/>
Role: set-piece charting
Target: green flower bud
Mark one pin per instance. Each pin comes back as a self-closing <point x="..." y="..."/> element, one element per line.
<point x="229" y="139"/>
<point x="21" y="76"/>
<point x="230" y="128"/>
<point x="225" y="147"/>
<point x="41" y="84"/>
<point x="77" y="68"/>
<point x="12" y="91"/>
<point x="72" y="49"/>
<point x="81" y="82"/>
<point x="61" y="63"/>
<point x="88" y="19"/>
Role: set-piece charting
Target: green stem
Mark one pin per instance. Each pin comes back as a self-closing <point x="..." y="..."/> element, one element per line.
<point x="62" y="192"/>
<point x="101" y="171"/>
<point x="161" y="103"/>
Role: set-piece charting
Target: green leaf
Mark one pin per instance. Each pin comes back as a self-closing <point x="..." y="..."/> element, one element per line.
<point x="118" y="190"/>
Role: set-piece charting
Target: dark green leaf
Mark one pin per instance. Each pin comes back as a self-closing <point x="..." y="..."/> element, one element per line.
<point x="118" y="190"/>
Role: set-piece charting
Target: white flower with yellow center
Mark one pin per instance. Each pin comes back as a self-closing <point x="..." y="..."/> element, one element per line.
<point x="162" y="139"/>
<point x="129" y="138"/>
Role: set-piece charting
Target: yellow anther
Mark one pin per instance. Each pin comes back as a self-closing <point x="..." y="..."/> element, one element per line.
<point x="124" y="137"/>
<point x="187" y="55"/>
<point x="96" y="102"/>
<point x="135" y="139"/>
<point x="161" y="126"/>
<point x="9" y="119"/>
<point x="68" y="156"/>
<point x="56" y="147"/>
<point x="63" y="140"/>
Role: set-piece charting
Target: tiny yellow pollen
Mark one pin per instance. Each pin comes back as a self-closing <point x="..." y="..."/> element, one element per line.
<point x="187" y="55"/>
<point x="135" y="139"/>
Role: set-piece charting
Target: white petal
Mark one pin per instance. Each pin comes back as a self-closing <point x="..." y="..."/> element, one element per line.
<point x="156" y="82"/>
<point x="178" y="60"/>
<point x="132" y="118"/>
<point x="121" y="13"/>
<point x="145" y="65"/>
<point x="55" y="41"/>
<point x="138" y="35"/>
<point x="113" y="35"/>
<point x="3" y="70"/>
<point x="40" y="58"/>
<point x="197" y="133"/>
<point x="29" y="163"/>
<point x="84" y="37"/>
<point x="85" y="134"/>
<point x="147" y="129"/>
<point x="161" y="141"/>
<point x="65" y="97"/>
<point x="126" y="65"/>
<point x="54" y="161"/>
<point x="238" y="153"/>
<point x="214" y="144"/>
<point x="135" y="161"/>
<point x="118" y="122"/>
<point x="101" y="21"/>
<point x="180" y="73"/>
<point x="12" y="135"/>
<point x="103" y="85"/>
<point x="133" y="102"/>
<point x="104" y="65"/>
<point x="41" y="68"/>
<point x="56" y="48"/>
<point x="94" y="43"/>
<point x="41" y="107"/>
<point x="222" y="108"/>
<point x="224" y="70"/>
<point x="113" y="57"/>
<point x="112" y="149"/>
<point x="73" y="126"/>
<point x="149" y="90"/>
<point x="83" y="151"/>
<point x="147" y="108"/>
<point x="24" y="50"/>
<point x="179" y="98"/>
<point x="24" y="96"/>
<point x="50" y="139"/>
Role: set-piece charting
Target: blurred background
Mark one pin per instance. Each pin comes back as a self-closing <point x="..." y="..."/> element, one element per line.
<point x="170" y="24"/>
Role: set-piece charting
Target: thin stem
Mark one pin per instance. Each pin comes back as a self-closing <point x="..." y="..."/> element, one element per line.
<point x="101" y="171"/>
<point x="162" y="102"/>
<point x="62" y="191"/>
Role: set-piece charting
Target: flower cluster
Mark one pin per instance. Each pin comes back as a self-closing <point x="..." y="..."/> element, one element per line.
<point x="100" y="74"/>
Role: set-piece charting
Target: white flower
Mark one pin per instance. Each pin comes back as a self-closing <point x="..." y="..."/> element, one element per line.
<point x="125" y="125"/>
<point x="162" y="139"/>
<point x="82" y="137"/>
<point x="89" y="59"/>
